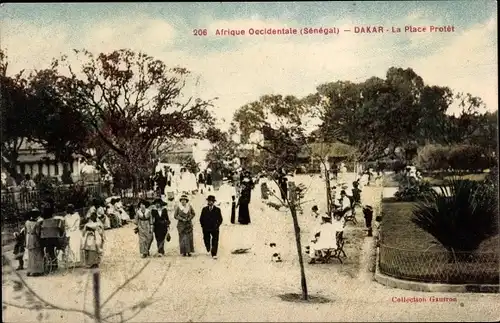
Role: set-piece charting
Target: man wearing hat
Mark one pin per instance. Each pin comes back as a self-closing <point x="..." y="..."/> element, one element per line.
<point x="211" y="220"/>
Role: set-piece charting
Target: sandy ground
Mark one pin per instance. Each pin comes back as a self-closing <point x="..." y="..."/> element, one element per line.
<point x="245" y="287"/>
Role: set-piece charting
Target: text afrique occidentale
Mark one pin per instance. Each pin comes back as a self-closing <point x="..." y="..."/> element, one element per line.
<point x="277" y="31"/>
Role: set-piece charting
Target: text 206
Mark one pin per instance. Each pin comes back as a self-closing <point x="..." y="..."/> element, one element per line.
<point x="200" y="32"/>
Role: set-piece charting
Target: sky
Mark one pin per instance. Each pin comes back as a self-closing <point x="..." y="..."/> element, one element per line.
<point x="240" y="69"/>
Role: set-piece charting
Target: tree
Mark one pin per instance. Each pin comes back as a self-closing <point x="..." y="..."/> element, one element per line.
<point x="62" y="130"/>
<point x="378" y="113"/>
<point x="275" y="110"/>
<point x="29" y="299"/>
<point x="17" y="119"/>
<point x="132" y="103"/>
<point x="281" y="152"/>
<point x="322" y="151"/>
<point x="223" y="151"/>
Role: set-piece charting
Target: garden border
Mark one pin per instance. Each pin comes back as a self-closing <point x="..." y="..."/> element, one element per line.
<point x="431" y="287"/>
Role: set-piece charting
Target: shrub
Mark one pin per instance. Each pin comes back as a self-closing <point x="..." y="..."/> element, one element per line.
<point x="414" y="192"/>
<point x="459" y="217"/>
<point x="9" y="212"/>
<point x="66" y="177"/>
<point x="77" y="195"/>
<point x="467" y="157"/>
<point x="432" y="157"/>
<point x="46" y="187"/>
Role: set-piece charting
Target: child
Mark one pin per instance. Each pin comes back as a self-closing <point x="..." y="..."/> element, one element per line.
<point x="93" y="241"/>
<point x="233" y="209"/>
<point x="19" y="247"/>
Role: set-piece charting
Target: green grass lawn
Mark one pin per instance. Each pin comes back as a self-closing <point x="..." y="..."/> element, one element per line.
<point x="411" y="253"/>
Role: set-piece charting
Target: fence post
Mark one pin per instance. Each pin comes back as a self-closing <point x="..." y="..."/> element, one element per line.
<point x="97" y="294"/>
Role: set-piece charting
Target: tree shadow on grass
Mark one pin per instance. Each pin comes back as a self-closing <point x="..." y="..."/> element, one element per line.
<point x="297" y="298"/>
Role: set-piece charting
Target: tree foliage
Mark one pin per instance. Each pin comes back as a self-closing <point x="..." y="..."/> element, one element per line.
<point x="16" y="115"/>
<point x="455" y="157"/>
<point x="269" y="111"/>
<point x="398" y="111"/>
<point x="223" y="151"/>
<point x="132" y="104"/>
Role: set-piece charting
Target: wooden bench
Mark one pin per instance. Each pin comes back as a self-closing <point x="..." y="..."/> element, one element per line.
<point x="337" y="253"/>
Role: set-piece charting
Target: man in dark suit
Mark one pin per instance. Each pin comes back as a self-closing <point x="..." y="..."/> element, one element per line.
<point x="211" y="219"/>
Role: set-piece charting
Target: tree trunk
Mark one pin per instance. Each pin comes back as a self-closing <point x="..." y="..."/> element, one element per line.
<point x="328" y="189"/>
<point x="296" y="227"/>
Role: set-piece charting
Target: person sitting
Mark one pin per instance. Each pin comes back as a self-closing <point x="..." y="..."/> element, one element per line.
<point x="324" y="239"/>
<point x="119" y="209"/>
<point x="101" y="215"/>
<point x="114" y="220"/>
<point x="338" y="223"/>
<point x="343" y="204"/>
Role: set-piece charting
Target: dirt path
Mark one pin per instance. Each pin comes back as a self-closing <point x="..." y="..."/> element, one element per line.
<point x="244" y="287"/>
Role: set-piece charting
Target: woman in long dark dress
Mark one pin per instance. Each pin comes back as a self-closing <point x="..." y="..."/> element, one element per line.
<point x="243" y="202"/>
<point x="184" y="214"/>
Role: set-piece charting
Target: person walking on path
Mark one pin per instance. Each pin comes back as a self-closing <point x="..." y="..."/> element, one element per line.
<point x="161" y="223"/>
<point x="211" y="220"/>
<point x="93" y="242"/>
<point x="144" y="228"/>
<point x="33" y="244"/>
<point x="184" y="214"/>
<point x="72" y="222"/>
<point x="243" y="202"/>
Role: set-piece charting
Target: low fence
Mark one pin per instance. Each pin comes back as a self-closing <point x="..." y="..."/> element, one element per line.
<point x="439" y="266"/>
<point x="25" y="199"/>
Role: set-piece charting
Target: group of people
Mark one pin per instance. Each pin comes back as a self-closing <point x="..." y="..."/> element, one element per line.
<point x="328" y="233"/>
<point x="110" y="212"/>
<point x="153" y="223"/>
<point x="172" y="184"/>
<point x="46" y="237"/>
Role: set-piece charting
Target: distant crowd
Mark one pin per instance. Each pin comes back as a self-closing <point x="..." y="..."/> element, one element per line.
<point x="47" y="238"/>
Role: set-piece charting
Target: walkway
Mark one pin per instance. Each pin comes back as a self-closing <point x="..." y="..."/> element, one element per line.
<point x="246" y="287"/>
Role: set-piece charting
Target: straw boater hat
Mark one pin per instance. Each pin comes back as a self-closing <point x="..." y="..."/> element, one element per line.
<point x="184" y="197"/>
<point x="211" y="198"/>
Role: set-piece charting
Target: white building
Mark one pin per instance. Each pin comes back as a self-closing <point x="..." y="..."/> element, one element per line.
<point x="33" y="159"/>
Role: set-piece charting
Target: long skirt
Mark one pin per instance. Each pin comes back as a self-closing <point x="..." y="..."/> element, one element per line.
<point x="160" y="235"/>
<point x="186" y="241"/>
<point x="75" y="242"/>
<point x="145" y="241"/>
<point x="35" y="261"/>
<point x="243" y="214"/>
<point x="91" y="257"/>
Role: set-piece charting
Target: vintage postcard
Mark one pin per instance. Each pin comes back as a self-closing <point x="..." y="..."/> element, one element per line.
<point x="238" y="162"/>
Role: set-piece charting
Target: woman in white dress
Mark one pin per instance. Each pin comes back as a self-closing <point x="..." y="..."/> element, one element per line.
<point x="72" y="222"/>
<point x="193" y="187"/>
<point x="324" y="238"/>
<point x="226" y="191"/>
